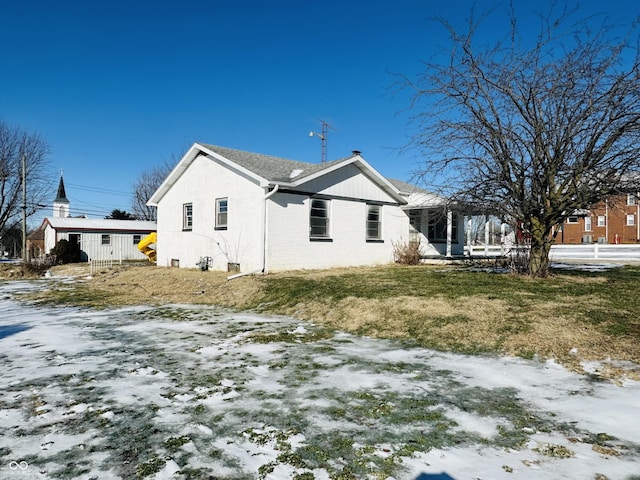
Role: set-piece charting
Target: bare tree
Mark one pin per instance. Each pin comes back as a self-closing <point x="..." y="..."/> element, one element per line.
<point x="531" y="129"/>
<point x="145" y="186"/>
<point x="14" y="144"/>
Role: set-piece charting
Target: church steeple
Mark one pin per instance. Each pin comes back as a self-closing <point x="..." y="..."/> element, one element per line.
<point x="61" y="203"/>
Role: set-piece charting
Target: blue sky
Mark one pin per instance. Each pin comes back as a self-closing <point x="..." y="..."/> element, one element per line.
<point x="118" y="87"/>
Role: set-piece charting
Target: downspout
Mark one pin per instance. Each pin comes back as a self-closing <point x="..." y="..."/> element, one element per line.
<point x="263" y="238"/>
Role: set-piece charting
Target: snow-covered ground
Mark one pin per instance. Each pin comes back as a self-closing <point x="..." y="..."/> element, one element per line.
<point x="199" y="392"/>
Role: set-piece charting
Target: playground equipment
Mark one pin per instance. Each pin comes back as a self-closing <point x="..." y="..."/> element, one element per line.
<point x="144" y="246"/>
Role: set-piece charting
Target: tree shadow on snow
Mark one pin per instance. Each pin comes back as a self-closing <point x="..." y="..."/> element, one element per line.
<point x="435" y="476"/>
<point x="7" y="330"/>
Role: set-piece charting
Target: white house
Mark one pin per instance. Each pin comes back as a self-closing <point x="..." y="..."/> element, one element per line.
<point x="237" y="210"/>
<point x="98" y="239"/>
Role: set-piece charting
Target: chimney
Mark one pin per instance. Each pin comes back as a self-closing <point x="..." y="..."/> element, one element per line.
<point x="356" y="152"/>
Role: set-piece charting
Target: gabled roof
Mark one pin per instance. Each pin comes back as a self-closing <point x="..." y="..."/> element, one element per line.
<point x="97" y="224"/>
<point x="268" y="170"/>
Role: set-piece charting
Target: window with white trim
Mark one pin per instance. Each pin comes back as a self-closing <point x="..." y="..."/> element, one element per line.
<point x="572" y="219"/>
<point x="602" y="220"/>
<point x="631" y="219"/>
<point x="319" y="219"/>
<point x="374" y="222"/>
<point x="187" y="216"/>
<point x="222" y="205"/>
<point x="105" y="239"/>
<point x="587" y="224"/>
<point x="631" y="199"/>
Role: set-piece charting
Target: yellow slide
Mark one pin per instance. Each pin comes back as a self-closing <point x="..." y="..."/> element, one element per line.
<point x="144" y="247"/>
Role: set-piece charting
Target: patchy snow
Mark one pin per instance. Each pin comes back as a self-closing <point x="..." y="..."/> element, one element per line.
<point x="180" y="392"/>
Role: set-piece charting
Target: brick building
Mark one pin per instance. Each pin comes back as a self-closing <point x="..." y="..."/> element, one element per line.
<point x="613" y="220"/>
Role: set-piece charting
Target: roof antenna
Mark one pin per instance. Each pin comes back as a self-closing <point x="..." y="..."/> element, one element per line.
<point x="323" y="138"/>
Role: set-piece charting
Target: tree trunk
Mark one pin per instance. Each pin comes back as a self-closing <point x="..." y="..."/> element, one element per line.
<point x="539" y="259"/>
<point x="540" y="248"/>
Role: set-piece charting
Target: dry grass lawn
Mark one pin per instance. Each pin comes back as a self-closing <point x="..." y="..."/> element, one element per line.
<point x="478" y="323"/>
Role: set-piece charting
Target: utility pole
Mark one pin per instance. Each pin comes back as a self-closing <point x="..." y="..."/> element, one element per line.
<point x="25" y="256"/>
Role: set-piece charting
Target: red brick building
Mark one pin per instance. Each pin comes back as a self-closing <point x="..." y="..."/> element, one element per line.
<point x="614" y="220"/>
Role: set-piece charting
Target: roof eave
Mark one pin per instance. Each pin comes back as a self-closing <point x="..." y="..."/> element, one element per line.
<point x="187" y="160"/>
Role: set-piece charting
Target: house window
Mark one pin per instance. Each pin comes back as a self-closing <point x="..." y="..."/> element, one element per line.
<point x="105" y="240"/>
<point x="187" y="216"/>
<point x="136" y="239"/>
<point x="319" y="219"/>
<point x="631" y="219"/>
<point x="602" y="220"/>
<point x="587" y="224"/>
<point x="221" y="213"/>
<point x="572" y="219"/>
<point x="374" y="222"/>
<point x="631" y="199"/>
<point x="437" y="226"/>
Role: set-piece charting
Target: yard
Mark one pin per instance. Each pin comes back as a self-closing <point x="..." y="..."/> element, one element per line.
<point x="575" y="317"/>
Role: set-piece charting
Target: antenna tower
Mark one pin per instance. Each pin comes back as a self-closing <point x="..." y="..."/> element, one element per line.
<point x="323" y="138"/>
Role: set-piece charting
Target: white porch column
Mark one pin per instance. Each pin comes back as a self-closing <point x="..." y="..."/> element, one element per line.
<point x="486" y="235"/>
<point x="468" y="234"/>
<point x="449" y="231"/>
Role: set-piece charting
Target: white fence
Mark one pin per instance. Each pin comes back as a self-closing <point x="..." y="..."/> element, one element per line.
<point x="590" y="251"/>
<point x="99" y="264"/>
<point x="596" y="251"/>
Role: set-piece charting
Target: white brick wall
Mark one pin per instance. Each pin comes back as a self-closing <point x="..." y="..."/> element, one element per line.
<point x="289" y="246"/>
<point x="203" y="182"/>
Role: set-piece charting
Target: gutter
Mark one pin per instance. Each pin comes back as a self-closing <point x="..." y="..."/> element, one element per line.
<point x="263" y="238"/>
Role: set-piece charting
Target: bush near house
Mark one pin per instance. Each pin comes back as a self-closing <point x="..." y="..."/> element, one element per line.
<point x="407" y="253"/>
<point x="65" y="252"/>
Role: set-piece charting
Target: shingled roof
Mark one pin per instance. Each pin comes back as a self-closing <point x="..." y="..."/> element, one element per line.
<point x="273" y="169"/>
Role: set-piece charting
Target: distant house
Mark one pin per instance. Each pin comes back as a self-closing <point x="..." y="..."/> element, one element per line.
<point x="97" y="239"/>
<point x="612" y="220"/>
<point x="237" y="210"/>
<point x="35" y="244"/>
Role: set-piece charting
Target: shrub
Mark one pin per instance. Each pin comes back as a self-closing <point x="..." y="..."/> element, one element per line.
<point x="407" y="253"/>
<point x="66" y="252"/>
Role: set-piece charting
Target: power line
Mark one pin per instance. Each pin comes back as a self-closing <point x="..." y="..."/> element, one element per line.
<point x="99" y="190"/>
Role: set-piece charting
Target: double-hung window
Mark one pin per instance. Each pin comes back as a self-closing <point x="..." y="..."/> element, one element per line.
<point x="587" y="224"/>
<point x="221" y="213"/>
<point x="631" y="219"/>
<point x="187" y="216"/>
<point x="602" y="221"/>
<point x="319" y="219"/>
<point x="374" y="222"/>
<point x="105" y="239"/>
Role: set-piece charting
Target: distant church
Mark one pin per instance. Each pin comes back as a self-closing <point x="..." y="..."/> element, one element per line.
<point x="61" y="203"/>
